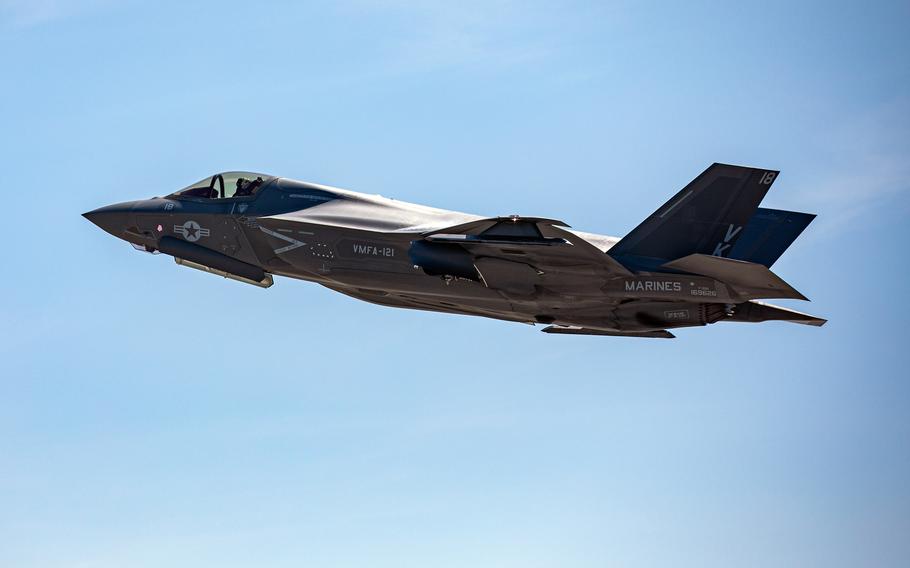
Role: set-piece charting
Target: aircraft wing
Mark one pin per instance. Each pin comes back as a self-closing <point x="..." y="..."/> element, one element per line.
<point x="510" y="253"/>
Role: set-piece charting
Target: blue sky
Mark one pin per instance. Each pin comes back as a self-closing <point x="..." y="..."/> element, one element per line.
<point x="151" y="415"/>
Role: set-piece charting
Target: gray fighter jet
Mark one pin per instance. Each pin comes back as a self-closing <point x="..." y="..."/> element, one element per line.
<point x="702" y="257"/>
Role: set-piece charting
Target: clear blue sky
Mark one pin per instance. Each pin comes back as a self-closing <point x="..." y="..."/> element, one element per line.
<point x="134" y="431"/>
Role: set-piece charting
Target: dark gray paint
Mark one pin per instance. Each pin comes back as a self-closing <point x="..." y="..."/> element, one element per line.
<point x="679" y="268"/>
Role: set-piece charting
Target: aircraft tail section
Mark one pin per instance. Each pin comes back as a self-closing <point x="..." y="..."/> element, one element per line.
<point x="708" y="216"/>
<point x="768" y="234"/>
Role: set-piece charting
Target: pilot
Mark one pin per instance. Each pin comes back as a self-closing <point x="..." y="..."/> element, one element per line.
<point x="246" y="187"/>
<point x="243" y="188"/>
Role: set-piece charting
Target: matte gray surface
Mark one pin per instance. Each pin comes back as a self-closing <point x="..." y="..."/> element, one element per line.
<point x="671" y="271"/>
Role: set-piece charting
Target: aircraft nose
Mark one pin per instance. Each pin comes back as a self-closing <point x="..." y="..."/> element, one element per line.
<point x="113" y="218"/>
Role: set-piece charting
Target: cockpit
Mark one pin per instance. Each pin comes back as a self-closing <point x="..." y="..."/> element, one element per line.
<point x="226" y="185"/>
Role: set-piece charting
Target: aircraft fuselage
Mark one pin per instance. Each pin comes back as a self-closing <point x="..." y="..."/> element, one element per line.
<point x="400" y="254"/>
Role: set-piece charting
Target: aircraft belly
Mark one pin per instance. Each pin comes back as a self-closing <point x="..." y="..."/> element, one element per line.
<point x="375" y="267"/>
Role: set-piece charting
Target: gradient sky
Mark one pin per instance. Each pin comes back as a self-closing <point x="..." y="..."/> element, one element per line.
<point x="152" y="415"/>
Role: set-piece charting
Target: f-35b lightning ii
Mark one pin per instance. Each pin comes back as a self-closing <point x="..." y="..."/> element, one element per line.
<point x="702" y="257"/>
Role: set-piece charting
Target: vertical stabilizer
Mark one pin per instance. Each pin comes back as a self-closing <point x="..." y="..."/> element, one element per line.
<point x="707" y="216"/>
<point x="768" y="234"/>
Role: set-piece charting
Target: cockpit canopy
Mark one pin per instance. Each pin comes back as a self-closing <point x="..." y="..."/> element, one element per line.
<point x="226" y="185"/>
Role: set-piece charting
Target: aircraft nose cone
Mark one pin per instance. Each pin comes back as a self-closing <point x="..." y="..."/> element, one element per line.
<point x="113" y="218"/>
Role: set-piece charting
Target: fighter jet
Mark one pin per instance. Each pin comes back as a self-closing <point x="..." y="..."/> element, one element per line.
<point x="703" y="257"/>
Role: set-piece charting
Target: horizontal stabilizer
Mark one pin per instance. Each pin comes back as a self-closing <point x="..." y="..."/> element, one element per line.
<point x="768" y="234"/>
<point x="748" y="279"/>
<point x="754" y="312"/>
<point x="574" y="330"/>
